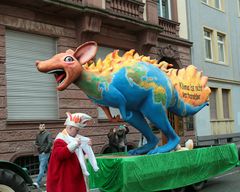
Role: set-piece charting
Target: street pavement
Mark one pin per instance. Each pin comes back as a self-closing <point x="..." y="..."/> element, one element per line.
<point x="42" y="188"/>
<point x="227" y="182"/>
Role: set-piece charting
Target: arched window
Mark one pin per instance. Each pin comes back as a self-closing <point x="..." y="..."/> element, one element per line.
<point x="30" y="162"/>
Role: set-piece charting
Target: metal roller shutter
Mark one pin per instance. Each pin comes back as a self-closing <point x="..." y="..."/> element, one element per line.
<point x="31" y="95"/>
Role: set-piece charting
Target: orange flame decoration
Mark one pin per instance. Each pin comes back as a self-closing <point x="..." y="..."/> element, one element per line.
<point x="189" y="82"/>
<point x="76" y="119"/>
<point x="113" y="62"/>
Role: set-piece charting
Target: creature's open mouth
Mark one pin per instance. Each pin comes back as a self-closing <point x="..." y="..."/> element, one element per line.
<point x="59" y="75"/>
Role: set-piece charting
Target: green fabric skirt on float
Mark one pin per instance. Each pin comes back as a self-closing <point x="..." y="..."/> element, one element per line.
<point x="145" y="173"/>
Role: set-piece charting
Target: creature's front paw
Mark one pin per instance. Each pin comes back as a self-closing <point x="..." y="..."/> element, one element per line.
<point x="116" y="119"/>
<point x="134" y="152"/>
<point x="154" y="151"/>
<point x="138" y="151"/>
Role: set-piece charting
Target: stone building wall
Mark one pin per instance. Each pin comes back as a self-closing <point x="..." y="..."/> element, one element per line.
<point x="71" y="27"/>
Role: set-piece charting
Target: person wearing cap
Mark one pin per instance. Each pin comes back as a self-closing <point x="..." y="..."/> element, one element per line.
<point x="67" y="163"/>
<point x="117" y="138"/>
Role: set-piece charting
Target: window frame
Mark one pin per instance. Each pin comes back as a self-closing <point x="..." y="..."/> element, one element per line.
<point x="31" y="102"/>
<point x="238" y="6"/>
<point x="212" y="3"/>
<point x="214" y="92"/>
<point x="206" y="1"/>
<point x="160" y="9"/>
<point x="219" y="4"/>
<point x="210" y="39"/>
<point x="223" y="45"/>
<point x="228" y="97"/>
<point x="219" y="102"/>
<point x="215" y="46"/>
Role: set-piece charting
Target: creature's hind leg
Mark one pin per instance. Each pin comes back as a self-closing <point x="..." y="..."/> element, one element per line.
<point x="157" y="115"/>
<point x="137" y="120"/>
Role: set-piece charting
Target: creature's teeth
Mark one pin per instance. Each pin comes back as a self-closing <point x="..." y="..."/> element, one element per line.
<point x="61" y="82"/>
<point x="55" y="70"/>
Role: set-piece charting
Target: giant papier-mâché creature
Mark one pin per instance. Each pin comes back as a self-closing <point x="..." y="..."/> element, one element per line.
<point x="136" y="86"/>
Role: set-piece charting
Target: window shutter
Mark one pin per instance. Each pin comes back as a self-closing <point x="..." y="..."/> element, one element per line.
<point x="213" y="103"/>
<point x="226" y="105"/>
<point x="31" y="95"/>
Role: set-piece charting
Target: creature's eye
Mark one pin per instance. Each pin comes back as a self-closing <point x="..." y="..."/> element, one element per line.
<point x="68" y="59"/>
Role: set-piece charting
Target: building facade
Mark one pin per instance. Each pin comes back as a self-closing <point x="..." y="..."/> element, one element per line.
<point x="37" y="29"/>
<point x="214" y="27"/>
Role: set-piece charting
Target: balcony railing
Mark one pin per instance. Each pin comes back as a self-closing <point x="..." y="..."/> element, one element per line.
<point x="171" y="28"/>
<point x="131" y="8"/>
<point x="76" y="2"/>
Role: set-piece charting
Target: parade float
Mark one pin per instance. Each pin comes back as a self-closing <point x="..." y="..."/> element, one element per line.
<point x="172" y="170"/>
<point x="141" y="88"/>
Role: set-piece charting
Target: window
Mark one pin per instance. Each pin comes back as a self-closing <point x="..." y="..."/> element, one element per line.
<point x="189" y="121"/>
<point x="30" y="162"/>
<point x="225" y="101"/>
<point x="208" y="44"/>
<point x="164" y="9"/>
<point x="215" y="46"/>
<point x="218" y="4"/>
<point x="213" y="103"/>
<point x="238" y="7"/>
<point x="220" y="104"/>
<point x="31" y="95"/>
<point x="221" y="47"/>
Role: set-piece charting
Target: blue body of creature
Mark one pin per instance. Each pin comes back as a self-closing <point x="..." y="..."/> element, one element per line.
<point x="134" y="91"/>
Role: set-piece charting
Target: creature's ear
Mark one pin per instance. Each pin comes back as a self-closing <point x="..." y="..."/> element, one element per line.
<point x="70" y="51"/>
<point x="86" y="52"/>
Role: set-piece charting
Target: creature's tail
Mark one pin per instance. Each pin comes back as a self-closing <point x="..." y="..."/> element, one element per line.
<point x="182" y="108"/>
<point x="191" y="92"/>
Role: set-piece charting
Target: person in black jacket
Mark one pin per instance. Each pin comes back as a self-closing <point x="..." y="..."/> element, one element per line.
<point x="117" y="139"/>
<point x="44" y="144"/>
